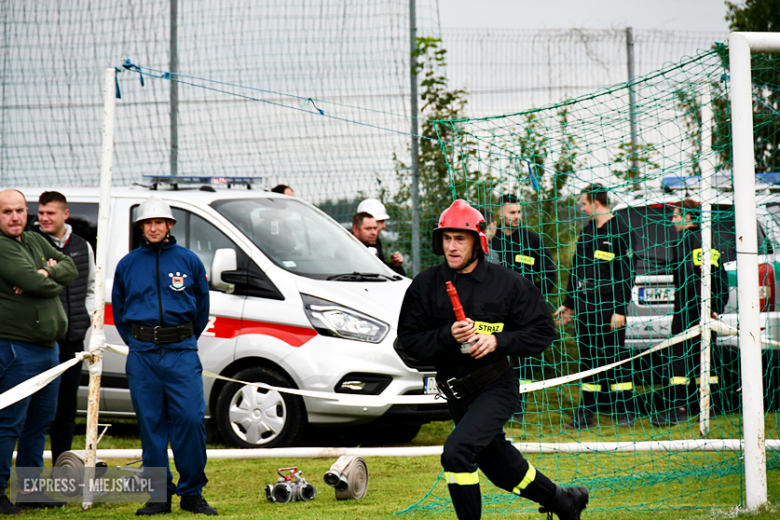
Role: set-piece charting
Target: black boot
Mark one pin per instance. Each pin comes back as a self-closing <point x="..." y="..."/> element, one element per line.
<point x="197" y="504"/>
<point x="155" y="508"/>
<point x="568" y="503"/>
<point x="7" y="507"/>
<point x="467" y="501"/>
<point x="625" y="419"/>
<point x="676" y="416"/>
<point x="37" y="500"/>
<point x="582" y="421"/>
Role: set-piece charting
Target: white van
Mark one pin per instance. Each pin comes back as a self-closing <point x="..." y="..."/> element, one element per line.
<point x="295" y="301"/>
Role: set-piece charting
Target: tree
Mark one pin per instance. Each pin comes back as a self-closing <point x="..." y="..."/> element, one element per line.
<point x="759" y="16"/>
<point x="445" y="154"/>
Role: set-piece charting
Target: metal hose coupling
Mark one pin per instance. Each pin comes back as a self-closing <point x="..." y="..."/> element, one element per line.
<point x="349" y="476"/>
<point x="290" y="488"/>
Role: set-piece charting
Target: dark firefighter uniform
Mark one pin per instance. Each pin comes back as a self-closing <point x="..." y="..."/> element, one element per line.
<point x="600" y="286"/>
<point x="686" y="262"/>
<point x="524" y="252"/>
<point x="502" y="303"/>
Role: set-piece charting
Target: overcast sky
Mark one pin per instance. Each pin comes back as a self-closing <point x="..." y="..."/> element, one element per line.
<point x="683" y="15"/>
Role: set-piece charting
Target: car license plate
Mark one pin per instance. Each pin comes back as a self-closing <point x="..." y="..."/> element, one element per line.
<point x="656" y="294"/>
<point x="430" y="385"/>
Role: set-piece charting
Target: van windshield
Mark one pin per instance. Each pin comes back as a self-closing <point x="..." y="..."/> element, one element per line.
<point x="300" y="239"/>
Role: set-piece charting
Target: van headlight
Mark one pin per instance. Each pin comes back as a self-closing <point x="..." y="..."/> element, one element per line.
<point x="332" y="319"/>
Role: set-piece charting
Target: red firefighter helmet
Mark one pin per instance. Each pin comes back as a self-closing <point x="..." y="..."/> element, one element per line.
<point x="462" y="217"/>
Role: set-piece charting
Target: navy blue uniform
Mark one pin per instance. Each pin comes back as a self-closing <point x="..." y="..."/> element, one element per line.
<point x="165" y="285"/>
<point x="502" y="303"/>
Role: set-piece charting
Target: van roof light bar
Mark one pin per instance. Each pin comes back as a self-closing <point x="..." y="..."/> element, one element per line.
<point x="175" y="180"/>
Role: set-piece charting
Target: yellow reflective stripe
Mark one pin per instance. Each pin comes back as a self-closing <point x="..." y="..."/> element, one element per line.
<point x="713" y="380"/>
<point x="714" y="257"/>
<point x="603" y="255"/>
<point x="462" y="479"/>
<point x="619" y="387"/>
<point x="529" y="477"/>
<point x="484" y="327"/>
<point x="523" y="259"/>
<point x="588" y="387"/>
<point x="678" y="380"/>
<point x="525" y="381"/>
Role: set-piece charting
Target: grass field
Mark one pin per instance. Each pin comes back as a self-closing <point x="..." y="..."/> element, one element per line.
<point x="236" y="488"/>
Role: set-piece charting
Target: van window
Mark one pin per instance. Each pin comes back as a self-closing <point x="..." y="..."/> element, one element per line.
<point x="656" y="235"/>
<point x="300" y="239"/>
<point x="83" y="218"/>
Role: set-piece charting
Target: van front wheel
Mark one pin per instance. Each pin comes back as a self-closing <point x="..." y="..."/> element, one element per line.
<point x="252" y="417"/>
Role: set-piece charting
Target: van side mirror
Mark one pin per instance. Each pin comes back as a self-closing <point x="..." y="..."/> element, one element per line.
<point x="224" y="260"/>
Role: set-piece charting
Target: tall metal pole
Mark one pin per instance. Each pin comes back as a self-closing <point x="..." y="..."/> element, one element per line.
<point x="174" y="68"/>
<point x="416" y="261"/>
<point x="97" y="340"/>
<point x="707" y="194"/>
<point x="633" y="159"/>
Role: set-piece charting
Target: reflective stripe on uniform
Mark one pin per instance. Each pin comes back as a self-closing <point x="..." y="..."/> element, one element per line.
<point x="589" y="387"/>
<point x="525" y="381"/>
<point x="713" y="380"/>
<point x="529" y="477"/>
<point x="619" y="387"/>
<point x="462" y="479"/>
<point x="677" y="380"/>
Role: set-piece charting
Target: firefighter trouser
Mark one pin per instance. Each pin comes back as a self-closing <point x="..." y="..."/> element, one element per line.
<point x="599" y="345"/>
<point x="684" y="372"/>
<point x="166" y="388"/>
<point x="478" y="441"/>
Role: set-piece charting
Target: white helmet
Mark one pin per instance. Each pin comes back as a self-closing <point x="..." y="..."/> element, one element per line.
<point x="153" y="208"/>
<point x="374" y="208"/>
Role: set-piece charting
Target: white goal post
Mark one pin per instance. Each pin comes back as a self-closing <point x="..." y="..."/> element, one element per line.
<point x="741" y="45"/>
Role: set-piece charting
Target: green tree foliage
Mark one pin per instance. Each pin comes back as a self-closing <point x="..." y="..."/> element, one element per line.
<point x="440" y="165"/>
<point x="759" y="16"/>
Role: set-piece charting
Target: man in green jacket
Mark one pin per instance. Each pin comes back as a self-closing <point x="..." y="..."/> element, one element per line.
<point x="32" y="274"/>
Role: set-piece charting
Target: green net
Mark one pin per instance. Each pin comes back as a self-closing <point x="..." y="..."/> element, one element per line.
<point x="632" y="247"/>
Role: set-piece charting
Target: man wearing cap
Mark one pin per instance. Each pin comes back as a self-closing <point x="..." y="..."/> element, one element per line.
<point x="160" y="301"/>
<point x="505" y="315"/>
<point x="377" y="210"/>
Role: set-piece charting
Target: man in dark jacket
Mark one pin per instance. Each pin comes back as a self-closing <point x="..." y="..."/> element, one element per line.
<point x="78" y="300"/>
<point x="32" y="275"/>
<point x="505" y="315"/>
<point x="598" y="294"/>
<point x="160" y="302"/>
<point x="686" y="263"/>
<point x="523" y="251"/>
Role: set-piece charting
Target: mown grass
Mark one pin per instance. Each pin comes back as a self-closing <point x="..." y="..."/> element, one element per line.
<point x="677" y="487"/>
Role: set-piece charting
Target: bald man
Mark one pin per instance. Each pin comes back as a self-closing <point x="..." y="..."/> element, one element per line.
<point x="32" y="275"/>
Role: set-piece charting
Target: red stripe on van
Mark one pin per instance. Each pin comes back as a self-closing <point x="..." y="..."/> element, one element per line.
<point x="229" y="328"/>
